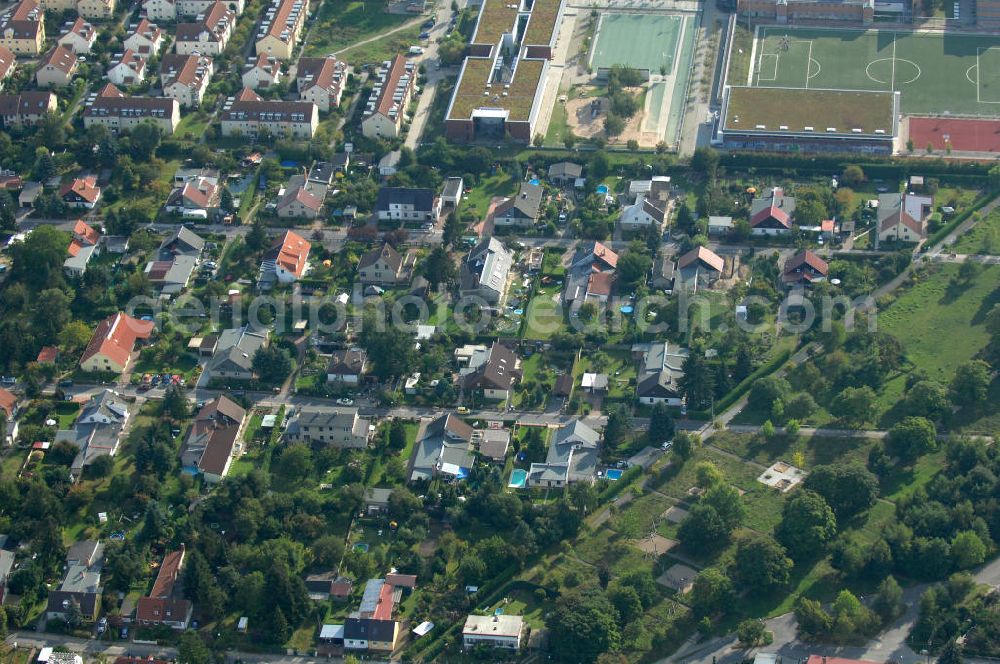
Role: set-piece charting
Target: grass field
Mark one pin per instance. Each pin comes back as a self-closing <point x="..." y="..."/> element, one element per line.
<point x="940" y="308"/>
<point x="983" y="238"/>
<point x="643" y="41"/>
<point x="935" y="73"/>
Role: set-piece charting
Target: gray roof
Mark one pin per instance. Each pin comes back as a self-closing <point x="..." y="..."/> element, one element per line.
<point x="576" y="432"/>
<point x="452" y="187"/>
<point x="236" y="348"/>
<point x="525" y="205"/>
<point x="326" y="417"/>
<point x="487" y="266"/>
<point x="183" y="241"/>
<point x="447" y="439"/>
<point x="662" y="368"/>
<point x="369" y="629"/>
<point x="565" y="169"/>
<point x="420" y="199"/>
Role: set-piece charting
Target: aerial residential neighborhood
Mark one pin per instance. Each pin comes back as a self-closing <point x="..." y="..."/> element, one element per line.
<point x="627" y="331"/>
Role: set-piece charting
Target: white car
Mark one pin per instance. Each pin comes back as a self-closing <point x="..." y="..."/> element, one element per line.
<point x="345" y="402"/>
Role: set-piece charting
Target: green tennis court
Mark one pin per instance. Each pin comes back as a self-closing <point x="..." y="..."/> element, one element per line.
<point x="935" y="73"/>
<point x="643" y="41"/>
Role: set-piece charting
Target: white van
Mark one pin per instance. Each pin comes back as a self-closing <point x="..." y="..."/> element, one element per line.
<point x="195" y="214"/>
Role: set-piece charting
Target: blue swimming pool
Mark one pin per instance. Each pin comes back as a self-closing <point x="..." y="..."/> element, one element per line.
<point x="614" y="474"/>
<point x="602" y="189"/>
<point x="518" y="478"/>
<point x="626" y="309"/>
<point x="518" y="311"/>
<point x="535" y="181"/>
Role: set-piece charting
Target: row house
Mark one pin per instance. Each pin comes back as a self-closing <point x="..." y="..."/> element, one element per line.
<point x="78" y="37"/>
<point x="160" y="10"/>
<point x="281" y="28"/>
<point x="247" y="114"/>
<point x="261" y="72"/>
<point x="145" y="38"/>
<point x="209" y="34"/>
<point x="195" y="7"/>
<point x="321" y="81"/>
<point x="128" y="68"/>
<point x="383" y="115"/>
<point x="26" y="109"/>
<point x="22" y="28"/>
<point x="96" y="9"/>
<point x="56" y="68"/>
<point x="186" y="77"/>
<point x="112" y="109"/>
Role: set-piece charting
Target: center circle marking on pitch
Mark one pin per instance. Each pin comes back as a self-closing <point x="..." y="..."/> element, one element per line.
<point x="915" y="70"/>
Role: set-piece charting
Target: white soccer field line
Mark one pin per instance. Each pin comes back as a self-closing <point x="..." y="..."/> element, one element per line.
<point x="892" y="78"/>
<point x="809" y="60"/>
<point x="979" y="75"/>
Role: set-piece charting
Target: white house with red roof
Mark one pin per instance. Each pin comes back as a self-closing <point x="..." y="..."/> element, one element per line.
<point x="383" y="114"/>
<point x="128" y="68"/>
<point x="78" y="37"/>
<point x="208" y="34"/>
<point x="56" y="68"/>
<point x="321" y="81"/>
<point x="145" y="38"/>
<point x="186" y="77"/>
<point x="903" y="217"/>
<point x="82" y="248"/>
<point x="113" y="341"/>
<point x="286" y="261"/>
<point x="81" y="192"/>
<point x="772" y="214"/>
<point x="195" y="194"/>
<point x="262" y="72"/>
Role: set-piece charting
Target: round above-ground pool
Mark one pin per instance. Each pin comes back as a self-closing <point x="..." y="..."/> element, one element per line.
<point x="361" y="547"/>
<point x="626" y="309"/>
<point x="518" y="478"/>
<point x="602" y="189"/>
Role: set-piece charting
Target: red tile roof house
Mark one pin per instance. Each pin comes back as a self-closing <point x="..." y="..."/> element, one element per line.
<point x="82" y="248"/>
<point x="287" y="259"/>
<point x="321" y="81"/>
<point x="162" y="607"/>
<point x="261" y="72"/>
<point x="198" y="194"/>
<point x="111" y="346"/>
<point x="79" y="37"/>
<point x="81" y="192"/>
<point x="772" y="215"/>
<point x="804" y="268"/>
<point x="56" y="68"/>
<point x="186" y="77"/>
<point x="47" y="355"/>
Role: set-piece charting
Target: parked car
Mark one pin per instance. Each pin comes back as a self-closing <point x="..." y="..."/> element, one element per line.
<point x="345" y="402"/>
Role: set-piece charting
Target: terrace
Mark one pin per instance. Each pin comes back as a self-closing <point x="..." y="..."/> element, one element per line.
<point x="773" y="110"/>
<point x="495" y="19"/>
<point x="542" y="23"/>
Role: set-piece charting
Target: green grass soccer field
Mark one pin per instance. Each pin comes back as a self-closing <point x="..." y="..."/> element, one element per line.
<point x="935" y="73"/>
<point x="643" y="41"/>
